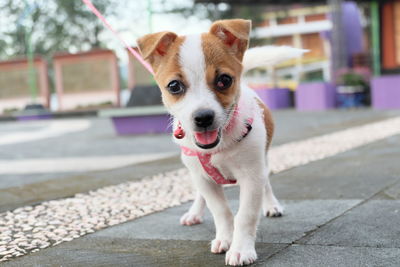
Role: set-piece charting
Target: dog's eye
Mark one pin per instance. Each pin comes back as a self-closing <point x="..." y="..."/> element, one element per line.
<point x="175" y="87"/>
<point x="223" y="82"/>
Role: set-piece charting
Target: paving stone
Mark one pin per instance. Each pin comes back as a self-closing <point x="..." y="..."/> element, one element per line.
<point x="331" y="256"/>
<point x="59" y="187"/>
<point x="292" y="125"/>
<point x="358" y="173"/>
<point x="393" y="192"/>
<point x="375" y="223"/>
<point x="99" y="139"/>
<point x="315" y="194"/>
<point x="106" y="251"/>
<point x="300" y="217"/>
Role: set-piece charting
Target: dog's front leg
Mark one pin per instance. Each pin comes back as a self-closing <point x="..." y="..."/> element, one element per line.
<point x="242" y="250"/>
<point x="195" y="214"/>
<point x="218" y="205"/>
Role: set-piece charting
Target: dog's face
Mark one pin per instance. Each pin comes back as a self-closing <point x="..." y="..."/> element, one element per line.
<point x="199" y="76"/>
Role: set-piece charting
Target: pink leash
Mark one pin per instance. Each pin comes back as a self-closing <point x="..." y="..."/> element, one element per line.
<point x="134" y="53"/>
<point x="204" y="158"/>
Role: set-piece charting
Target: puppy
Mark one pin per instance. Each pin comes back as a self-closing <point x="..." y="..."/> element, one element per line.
<point x="223" y="128"/>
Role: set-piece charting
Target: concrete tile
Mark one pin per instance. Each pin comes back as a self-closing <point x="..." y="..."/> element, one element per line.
<point x="59" y="187"/>
<point x="300" y="255"/>
<point x="355" y="174"/>
<point x="300" y="217"/>
<point x="99" y="140"/>
<point x="291" y="125"/>
<point x="392" y="192"/>
<point x="373" y="224"/>
<point x="100" y="251"/>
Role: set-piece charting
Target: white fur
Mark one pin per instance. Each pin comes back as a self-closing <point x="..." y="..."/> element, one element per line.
<point x="245" y="161"/>
<point x="269" y="55"/>
<point x="197" y="96"/>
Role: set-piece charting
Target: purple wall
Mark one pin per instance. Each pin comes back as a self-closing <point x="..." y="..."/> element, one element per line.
<point x="351" y="20"/>
<point x="276" y="98"/>
<point x="351" y="37"/>
<point x="315" y="96"/>
<point x="385" y="92"/>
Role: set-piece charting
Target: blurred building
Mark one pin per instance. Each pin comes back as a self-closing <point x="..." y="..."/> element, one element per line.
<point x="300" y="27"/>
<point x="390" y="36"/>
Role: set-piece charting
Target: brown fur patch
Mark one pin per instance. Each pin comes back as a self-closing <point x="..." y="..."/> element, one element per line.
<point x="223" y="49"/>
<point x="170" y="69"/>
<point x="219" y="61"/>
<point x="155" y="46"/>
<point x="268" y="121"/>
<point x="167" y="68"/>
<point x="234" y="33"/>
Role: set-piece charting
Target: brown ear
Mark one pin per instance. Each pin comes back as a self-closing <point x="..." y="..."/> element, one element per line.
<point x="234" y="33"/>
<point x="154" y="46"/>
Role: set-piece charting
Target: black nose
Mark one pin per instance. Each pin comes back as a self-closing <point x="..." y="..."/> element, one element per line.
<point x="203" y="118"/>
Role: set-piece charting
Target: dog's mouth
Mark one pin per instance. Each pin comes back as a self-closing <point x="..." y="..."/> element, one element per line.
<point x="207" y="139"/>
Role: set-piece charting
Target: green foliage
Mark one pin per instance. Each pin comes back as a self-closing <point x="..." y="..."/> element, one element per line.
<point x="57" y="25"/>
<point x="352" y="79"/>
<point x="213" y="11"/>
<point x="313" y="76"/>
<point x="10" y="111"/>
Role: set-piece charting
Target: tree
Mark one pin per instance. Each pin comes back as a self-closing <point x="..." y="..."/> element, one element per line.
<point x="220" y="10"/>
<point x="58" y="25"/>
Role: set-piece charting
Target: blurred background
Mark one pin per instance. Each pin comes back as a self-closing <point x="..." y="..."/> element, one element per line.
<point x="85" y="142"/>
<point x="57" y="58"/>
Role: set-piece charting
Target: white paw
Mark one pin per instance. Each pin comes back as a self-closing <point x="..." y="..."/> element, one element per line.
<point x="240" y="257"/>
<point x="273" y="210"/>
<point x="191" y="219"/>
<point x="219" y="246"/>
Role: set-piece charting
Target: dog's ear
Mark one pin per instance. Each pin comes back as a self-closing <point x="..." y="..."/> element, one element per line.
<point x="234" y="33"/>
<point x="154" y="47"/>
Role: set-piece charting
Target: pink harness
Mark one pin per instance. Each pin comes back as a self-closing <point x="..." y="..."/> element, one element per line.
<point x="205" y="158"/>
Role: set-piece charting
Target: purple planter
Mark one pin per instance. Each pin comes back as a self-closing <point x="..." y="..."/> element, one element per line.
<point x="315" y="96"/>
<point x="142" y="124"/>
<point x="138" y="120"/>
<point x="276" y="98"/>
<point x="385" y="92"/>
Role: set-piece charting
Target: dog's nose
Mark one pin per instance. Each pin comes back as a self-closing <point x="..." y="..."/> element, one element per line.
<point x="203" y="118"/>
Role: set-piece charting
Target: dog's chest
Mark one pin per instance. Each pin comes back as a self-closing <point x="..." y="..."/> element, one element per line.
<point x="225" y="163"/>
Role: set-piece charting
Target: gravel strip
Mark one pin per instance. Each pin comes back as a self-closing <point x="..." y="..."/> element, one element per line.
<point x="31" y="228"/>
<point x="295" y="154"/>
<point x="28" y="229"/>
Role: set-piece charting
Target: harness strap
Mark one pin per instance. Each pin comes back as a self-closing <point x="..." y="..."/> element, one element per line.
<point x="205" y="158"/>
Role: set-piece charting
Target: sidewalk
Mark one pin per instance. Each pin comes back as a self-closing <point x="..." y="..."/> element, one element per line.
<point x="340" y="211"/>
<point x="99" y="140"/>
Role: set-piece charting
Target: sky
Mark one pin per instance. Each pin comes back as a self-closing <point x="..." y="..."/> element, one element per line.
<point x="132" y="22"/>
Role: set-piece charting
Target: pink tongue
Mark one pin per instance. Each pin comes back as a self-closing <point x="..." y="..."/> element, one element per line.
<point x="206" y="138"/>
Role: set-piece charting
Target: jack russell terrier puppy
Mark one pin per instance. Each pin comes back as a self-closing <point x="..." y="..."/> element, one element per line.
<point x="221" y="125"/>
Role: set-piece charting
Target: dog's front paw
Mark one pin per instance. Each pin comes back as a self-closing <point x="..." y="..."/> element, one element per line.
<point x="240" y="257"/>
<point x="219" y="246"/>
<point x="191" y="219"/>
<point x="275" y="210"/>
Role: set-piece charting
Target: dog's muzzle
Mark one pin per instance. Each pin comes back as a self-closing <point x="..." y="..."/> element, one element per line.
<point x="206" y="134"/>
